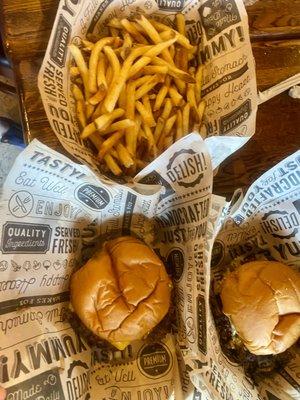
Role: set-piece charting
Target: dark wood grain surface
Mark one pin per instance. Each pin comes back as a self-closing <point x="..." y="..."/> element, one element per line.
<point x="275" y="33"/>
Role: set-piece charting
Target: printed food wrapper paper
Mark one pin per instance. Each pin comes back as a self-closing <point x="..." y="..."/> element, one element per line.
<point x="221" y="28"/>
<point x="53" y="214"/>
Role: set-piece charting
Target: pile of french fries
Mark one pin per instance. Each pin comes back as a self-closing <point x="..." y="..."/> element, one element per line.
<point x="136" y="91"/>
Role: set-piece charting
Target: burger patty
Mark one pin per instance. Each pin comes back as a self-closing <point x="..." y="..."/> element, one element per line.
<point x="157" y="334"/>
<point x="256" y="367"/>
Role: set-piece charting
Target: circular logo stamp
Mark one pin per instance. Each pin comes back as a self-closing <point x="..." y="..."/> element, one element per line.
<point x="217" y="253"/>
<point x="94" y="197"/>
<point x="175" y="264"/>
<point x="21" y="203"/>
<point x="154" y="360"/>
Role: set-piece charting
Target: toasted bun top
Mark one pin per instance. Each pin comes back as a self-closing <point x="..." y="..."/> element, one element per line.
<point x="123" y="292"/>
<point x="262" y="300"/>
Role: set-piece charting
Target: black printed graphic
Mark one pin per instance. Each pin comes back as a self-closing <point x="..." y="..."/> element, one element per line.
<point x="128" y="211"/>
<point x="32" y="301"/>
<point x="225" y="79"/>
<point x="196" y="395"/>
<point x="43" y="386"/>
<point x="217" y="253"/>
<point x="3" y="265"/>
<point x="297" y="205"/>
<point x="201" y="320"/>
<point x="94" y="197"/>
<point x="175" y="264"/>
<point x="235" y="118"/>
<point x="186" y="168"/>
<point x="26" y="238"/>
<point x="58" y="51"/>
<point x="155" y="179"/>
<point x="285" y="375"/>
<point x="103" y="6"/>
<point x="170" y="5"/>
<point x="280" y="224"/>
<point x="20" y="204"/>
<point x="218" y="15"/>
<point x="271" y="396"/>
<point x="78" y="382"/>
<point x="154" y="360"/>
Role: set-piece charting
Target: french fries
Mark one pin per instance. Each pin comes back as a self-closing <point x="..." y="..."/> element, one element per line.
<point x="136" y="91"/>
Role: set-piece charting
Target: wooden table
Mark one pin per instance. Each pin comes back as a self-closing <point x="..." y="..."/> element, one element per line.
<point x="275" y="35"/>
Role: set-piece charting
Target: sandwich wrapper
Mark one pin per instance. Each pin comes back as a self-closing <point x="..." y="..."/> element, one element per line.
<point x="54" y="213"/>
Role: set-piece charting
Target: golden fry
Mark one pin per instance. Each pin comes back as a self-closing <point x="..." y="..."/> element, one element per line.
<point x="96" y="140"/>
<point x="101" y="69"/>
<point x="112" y="165"/>
<point x="163" y="91"/>
<point x="99" y="96"/>
<point x="115" y="89"/>
<point x="198" y="86"/>
<point x="77" y="93"/>
<point x="146" y="116"/>
<point x="167" y="109"/>
<point x="174" y="71"/>
<point x="127" y="45"/>
<point x="115" y="23"/>
<point x="93" y="62"/>
<point x="113" y="31"/>
<point x="201" y="110"/>
<point x="180" y="23"/>
<point x="146" y="87"/>
<point x="80" y="109"/>
<point x="87" y="44"/>
<point x="150" y="139"/>
<point x="182" y="40"/>
<point x="181" y="86"/>
<point x="81" y="64"/>
<point x="132" y="136"/>
<point x="169" y="140"/>
<point x="169" y="125"/>
<point x="155" y="69"/>
<point x="191" y="96"/>
<point x="130" y="100"/>
<point x="186" y="118"/>
<point x="147" y="105"/>
<point x="124" y="155"/>
<point x="88" y="130"/>
<point x="141" y="63"/>
<point x="130" y="27"/>
<point x="179" y="127"/>
<point x="109" y="144"/>
<point x="176" y="97"/>
<point x="113" y="60"/>
<point x="89" y="110"/>
<point x="109" y="75"/>
<point x="74" y="72"/>
<point x="154" y="36"/>
<point x="104" y="120"/>
<point x="158" y="128"/>
<point x="122" y="98"/>
<point x="166" y="131"/>
<point x="118" y="126"/>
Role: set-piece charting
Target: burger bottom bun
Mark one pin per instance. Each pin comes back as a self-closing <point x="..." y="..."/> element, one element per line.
<point x="262" y="300"/>
<point x="121" y="293"/>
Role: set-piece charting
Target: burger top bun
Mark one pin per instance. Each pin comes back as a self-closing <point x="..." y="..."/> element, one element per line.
<point x="262" y="300"/>
<point x="121" y="293"/>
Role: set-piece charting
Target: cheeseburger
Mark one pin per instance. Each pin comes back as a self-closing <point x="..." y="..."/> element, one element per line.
<point x="262" y="302"/>
<point x="122" y="292"/>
